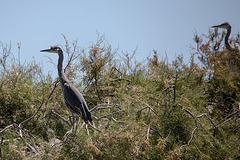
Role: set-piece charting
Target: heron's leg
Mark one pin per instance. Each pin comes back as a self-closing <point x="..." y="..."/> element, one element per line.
<point x="73" y="118"/>
<point x="70" y="119"/>
<point x="83" y="124"/>
<point x="87" y="129"/>
<point x="68" y="133"/>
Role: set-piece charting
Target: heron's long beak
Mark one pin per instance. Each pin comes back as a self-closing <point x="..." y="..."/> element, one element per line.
<point x="219" y="26"/>
<point x="47" y="50"/>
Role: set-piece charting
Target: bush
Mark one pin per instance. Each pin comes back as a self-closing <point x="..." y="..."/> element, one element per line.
<point x="148" y="110"/>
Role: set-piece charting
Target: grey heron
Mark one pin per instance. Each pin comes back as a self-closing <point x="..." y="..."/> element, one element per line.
<point x="227" y="26"/>
<point x="72" y="97"/>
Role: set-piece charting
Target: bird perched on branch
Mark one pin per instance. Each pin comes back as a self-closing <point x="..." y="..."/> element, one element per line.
<point x="227" y="26"/>
<point x="234" y="52"/>
<point x="72" y="97"/>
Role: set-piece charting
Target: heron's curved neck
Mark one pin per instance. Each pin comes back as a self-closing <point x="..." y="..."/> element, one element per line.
<point x="60" y="68"/>
<point x="226" y="39"/>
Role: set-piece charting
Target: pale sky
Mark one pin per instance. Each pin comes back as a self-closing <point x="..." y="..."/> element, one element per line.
<point x="165" y="26"/>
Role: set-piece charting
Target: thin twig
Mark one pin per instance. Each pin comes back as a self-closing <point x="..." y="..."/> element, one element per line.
<point x="109" y="114"/>
<point x="227" y="117"/>
<point x="204" y="114"/>
<point x="147" y="106"/>
<point x="155" y="98"/>
<point x="93" y="126"/>
<point x="171" y="86"/>
<point x="52" y="111"/>
<point x="101" y="106"/>
<point x="168" y="134"/>
<point x="193" y="132"/>
<point x="21" y="135"/>
<point x="196" y="118"/>
<point x="148" y="130"/>
<point x="192" y="135"/>
<point x="155" y="131"/>
<point x="150" y="108"/>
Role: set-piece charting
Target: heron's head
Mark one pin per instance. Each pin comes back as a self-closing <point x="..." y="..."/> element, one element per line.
<point x="225" y="25"/>
<point x="53" y="49"/>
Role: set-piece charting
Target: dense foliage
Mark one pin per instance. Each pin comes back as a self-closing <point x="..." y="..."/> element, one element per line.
<point x="145" y="110"/>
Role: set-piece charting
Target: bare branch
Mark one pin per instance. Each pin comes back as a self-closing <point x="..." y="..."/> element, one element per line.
<point x="93" y="126"/>
<point x="148" y="130"/>
<point x="168" y="134"/>
<point x="155" y="98"/>
<point x="18" y="128"/>
<point x="155" y="131"/>
<point x="171" y="86"/>
<point x="204" y="114"/>
<point x="7" y="127"/>
<point x="227" y="117"/>
<point x="147" y="106"/>
<point x="101" y="106"/>
<point x="52" y="111"/>
<point x="193" y="133"/>
<point x="198" y="121"/>
<point x="109" y="115"/>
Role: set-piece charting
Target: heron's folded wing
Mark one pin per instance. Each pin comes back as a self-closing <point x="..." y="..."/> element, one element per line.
<point x="75" y="99"/>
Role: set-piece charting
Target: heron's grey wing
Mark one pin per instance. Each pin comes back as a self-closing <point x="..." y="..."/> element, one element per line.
<point x="75" y="100"/>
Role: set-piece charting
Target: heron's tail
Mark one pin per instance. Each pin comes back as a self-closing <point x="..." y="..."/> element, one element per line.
<point x="88" y="116"/>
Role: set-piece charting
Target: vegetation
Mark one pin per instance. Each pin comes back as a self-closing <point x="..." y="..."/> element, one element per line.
<point x="152" y="110"/>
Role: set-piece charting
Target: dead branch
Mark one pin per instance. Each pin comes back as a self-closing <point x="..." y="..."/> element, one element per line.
<point x="155" y="131"/>
<point x="196" y="120"/>
<point x="20" y="132"/>
<point x="147" y="106"/>
<point x="9" y="126"/>
<point x="204" y="114"/>
<point x="109" y="115"/>
<point x="141" y="109"/>
<point x="148" y="130"/>
<point x="155" y="98"/>
<point x="103" y="106"/>
<point x="53" y="112"/>
<point x="117" y="121"/>
<point x="226" y="118"/>
<point x="168" y="91"/>
<point x="193" y="133"/>
<point x="169" y="134"/>
<point x="68" y="52"/>
<point x="171" y="86"/>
